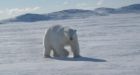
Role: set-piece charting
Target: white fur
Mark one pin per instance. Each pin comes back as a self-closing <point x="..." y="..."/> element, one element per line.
<point x="57" y="37"/>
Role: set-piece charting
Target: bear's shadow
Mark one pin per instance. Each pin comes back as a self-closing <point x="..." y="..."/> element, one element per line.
<point x="80" y="59"/>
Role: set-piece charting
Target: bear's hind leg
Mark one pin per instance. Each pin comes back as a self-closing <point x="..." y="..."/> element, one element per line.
<point x="55" y="54"/>
<point x="66" y="53"/>
<point x="61" y="52"/>
<point x="47" y="51"/>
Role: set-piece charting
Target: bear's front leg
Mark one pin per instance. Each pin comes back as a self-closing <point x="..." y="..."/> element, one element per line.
<point x="75" y="49"/>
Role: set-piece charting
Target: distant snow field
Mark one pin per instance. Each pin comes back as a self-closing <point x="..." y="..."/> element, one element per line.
<point x="110" y="45"/>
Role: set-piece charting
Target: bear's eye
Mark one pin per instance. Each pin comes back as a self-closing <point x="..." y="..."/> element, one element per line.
<point x="71" y="34"/>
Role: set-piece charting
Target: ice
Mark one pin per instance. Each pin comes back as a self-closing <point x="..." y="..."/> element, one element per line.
<point x="110" y="45"/>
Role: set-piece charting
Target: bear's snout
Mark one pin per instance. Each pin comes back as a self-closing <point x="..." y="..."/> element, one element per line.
<point x="71" y="38"/>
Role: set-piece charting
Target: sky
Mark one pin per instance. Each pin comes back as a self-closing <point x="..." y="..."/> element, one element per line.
<point x="12" y="8"/>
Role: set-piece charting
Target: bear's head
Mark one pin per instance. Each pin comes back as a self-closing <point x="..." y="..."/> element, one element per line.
<point x="70" y="33"/>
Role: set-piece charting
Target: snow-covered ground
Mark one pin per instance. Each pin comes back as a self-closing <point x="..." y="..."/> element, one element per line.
<point x="110" y="45"/>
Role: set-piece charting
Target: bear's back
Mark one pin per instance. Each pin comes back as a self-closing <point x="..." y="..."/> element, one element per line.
<point x="57" y="28"/>
<point x="55" y="32"/>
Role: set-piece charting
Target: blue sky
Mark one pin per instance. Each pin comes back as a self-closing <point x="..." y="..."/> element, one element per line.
<point x="11" y="8"/>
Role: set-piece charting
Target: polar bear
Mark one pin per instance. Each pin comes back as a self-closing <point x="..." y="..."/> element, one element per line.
<point x="57" y="37"/>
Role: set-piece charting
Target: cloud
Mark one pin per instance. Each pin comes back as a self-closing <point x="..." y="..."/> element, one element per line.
<point x="17" y="11"/>
<point x="21" y="10"/>
<point x="66" y="3"/>
<point x="1" y="12"/>
<point x="100" y="2"/>
<point x="82" y="4"/>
